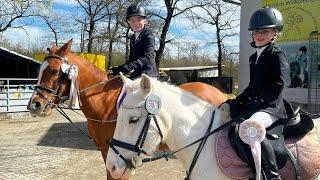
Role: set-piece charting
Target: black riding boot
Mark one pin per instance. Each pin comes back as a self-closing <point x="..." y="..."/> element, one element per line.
<point x="269" y="163"/>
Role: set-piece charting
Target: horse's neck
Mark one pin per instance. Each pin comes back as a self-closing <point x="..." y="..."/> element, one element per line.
<point x="190" y="122"/>
<point x="88" y="74"/>
<point x="99" y="101"/>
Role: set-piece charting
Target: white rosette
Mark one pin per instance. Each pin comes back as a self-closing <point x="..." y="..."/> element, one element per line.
<point x="252" y="133"/>
<point x="72" y="72"/>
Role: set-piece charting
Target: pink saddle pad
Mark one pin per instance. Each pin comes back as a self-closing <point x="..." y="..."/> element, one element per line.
<point x="306" y="149"/>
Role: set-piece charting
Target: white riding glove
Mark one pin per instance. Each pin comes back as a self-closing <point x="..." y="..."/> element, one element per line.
<point x="225" y="112"/>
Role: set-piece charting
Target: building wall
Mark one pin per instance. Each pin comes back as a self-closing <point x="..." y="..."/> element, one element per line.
<point x="247" y="8"/>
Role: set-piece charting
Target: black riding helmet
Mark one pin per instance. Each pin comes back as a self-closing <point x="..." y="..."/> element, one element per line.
<point x="266" y="18"/>
<point x="135" y="10"/>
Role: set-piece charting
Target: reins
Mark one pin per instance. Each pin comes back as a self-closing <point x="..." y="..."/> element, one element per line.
<point x="64" y="114"/>
<point x="95" y="85"/>
<point x="166" y="155"/>
<point x="202" y="141"/>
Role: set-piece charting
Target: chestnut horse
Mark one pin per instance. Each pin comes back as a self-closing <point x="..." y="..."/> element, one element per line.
<point x="97" y="93"/>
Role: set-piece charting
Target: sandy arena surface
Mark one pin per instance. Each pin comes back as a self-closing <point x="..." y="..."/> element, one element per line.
<point x="51" y="148"/>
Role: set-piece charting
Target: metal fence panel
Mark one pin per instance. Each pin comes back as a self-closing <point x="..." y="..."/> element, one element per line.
<point x="314" y="73"/>
<point x="15" y="94"/>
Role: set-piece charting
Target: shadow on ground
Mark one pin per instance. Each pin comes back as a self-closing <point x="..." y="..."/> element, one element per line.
<point x="65" y="135"/>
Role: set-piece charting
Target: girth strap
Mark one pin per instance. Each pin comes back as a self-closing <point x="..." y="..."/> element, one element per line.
<point x="200" y="148"/>
<point x="295" y="162"/>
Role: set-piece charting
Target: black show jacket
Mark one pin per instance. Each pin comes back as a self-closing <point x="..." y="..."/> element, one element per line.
<point x="264" y="92"/>
<point x="142" y="55"/>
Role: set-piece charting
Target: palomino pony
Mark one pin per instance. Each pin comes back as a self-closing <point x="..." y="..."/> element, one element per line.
<point x="152" y="113"/>
<point x="98" y="93"/>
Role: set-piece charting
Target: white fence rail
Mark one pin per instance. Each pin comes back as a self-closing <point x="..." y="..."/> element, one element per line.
<point x="15" y="94"/>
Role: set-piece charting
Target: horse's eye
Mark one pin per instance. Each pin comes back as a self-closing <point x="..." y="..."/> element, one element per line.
<point x="133" y="120"/>
<point x="55" y="72"/>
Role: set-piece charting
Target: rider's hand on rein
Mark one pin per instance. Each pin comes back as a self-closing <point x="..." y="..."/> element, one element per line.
<point x="114" y="70"/>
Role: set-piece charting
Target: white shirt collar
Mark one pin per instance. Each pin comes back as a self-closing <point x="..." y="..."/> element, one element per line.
<point x="136" y="35"/>
<point x="260" y="50"/>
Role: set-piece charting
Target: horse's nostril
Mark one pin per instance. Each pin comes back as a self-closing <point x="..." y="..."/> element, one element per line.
<point x="113" y="168"/>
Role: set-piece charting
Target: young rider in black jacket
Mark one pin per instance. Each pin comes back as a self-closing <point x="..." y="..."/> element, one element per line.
<point x="262" y="99"/>
<point x="142" y="46"/>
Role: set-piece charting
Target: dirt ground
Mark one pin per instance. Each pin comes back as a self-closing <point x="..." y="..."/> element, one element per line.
<point x="51" y="148"/>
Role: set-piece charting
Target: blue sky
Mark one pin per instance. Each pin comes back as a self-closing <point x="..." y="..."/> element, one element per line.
<point x="181" y="30"/>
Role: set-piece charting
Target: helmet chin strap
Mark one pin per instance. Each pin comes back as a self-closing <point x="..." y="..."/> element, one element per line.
<point x="253" y="44"/>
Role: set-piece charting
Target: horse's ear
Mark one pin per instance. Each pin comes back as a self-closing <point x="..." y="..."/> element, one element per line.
<point x="145" y="84"/>
<point x="65" y="48"/>
<point x="53" y="49"/>
<point x="125" y="80"/>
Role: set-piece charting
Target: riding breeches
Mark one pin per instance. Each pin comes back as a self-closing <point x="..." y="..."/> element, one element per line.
<point x="263" y="118"/>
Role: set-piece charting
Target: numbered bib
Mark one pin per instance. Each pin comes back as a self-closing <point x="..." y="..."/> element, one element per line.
<point x="153" y="104"/>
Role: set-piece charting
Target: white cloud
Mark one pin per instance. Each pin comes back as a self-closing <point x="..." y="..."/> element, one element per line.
<point x="36" y="37"/>
<point x="24" y="37"/>
<point x="66" y="2"/>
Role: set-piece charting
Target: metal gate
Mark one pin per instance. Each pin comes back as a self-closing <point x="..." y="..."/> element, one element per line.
<point x="15" y="94"/>
<point x="314" y="73"/>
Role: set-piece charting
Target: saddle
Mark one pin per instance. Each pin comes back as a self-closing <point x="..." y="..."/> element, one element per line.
<point x="296" y="125"/>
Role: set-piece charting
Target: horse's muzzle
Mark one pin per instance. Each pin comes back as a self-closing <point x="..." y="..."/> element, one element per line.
<point x="38" y="108"/>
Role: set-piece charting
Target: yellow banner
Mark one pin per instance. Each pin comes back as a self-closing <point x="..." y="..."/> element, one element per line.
<point x="301" y="17"/>
<point x="96" y="59"/>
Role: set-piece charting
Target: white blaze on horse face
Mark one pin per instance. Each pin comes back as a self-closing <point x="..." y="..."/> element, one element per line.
<point x="43" y="66"/>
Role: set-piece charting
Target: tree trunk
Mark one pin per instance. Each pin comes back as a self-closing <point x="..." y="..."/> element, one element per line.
<point x="90" y="41"/>
<point x="163" y="36"/>
<point x="219" y="43"/>
<point x="83" y="27"/>
<point x="56" y="38"/>
<point x="127" y="45"/>
<point x="110" y="55"/>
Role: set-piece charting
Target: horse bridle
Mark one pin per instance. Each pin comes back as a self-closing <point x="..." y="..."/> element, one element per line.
<point x="55" y="92"/>
<point x="139" y="144"/>
<point x="138" y="147"/>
